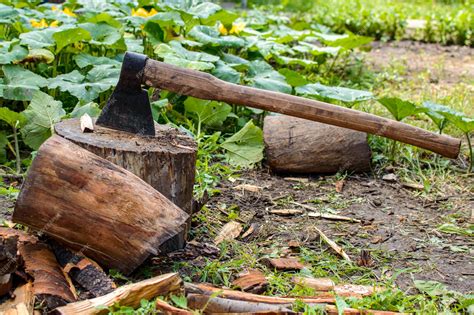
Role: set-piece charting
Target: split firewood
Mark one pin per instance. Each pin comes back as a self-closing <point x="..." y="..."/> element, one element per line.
<point x="201" y="295"/>
<point x="333" y="245"/>
<point x="326" y="284"/>
<point x="77" y="208"/>
<point x="87" y="125"/>
<point x="166" y="309"/>
<point x="284" y="263"/>
<point x="252" y="281"/>
<point x="218" y="305"/>
<point x="295" y="145"/>
<point x="317" y="214"/>
<point x="50" y="285"/>
<point x="85" y="272"/>
<point x="286" y="212"/>
<point x="128" y="295"/>
<point x="22" y="303"/>
<point x="206" y="289"/>
<point x="229" y="231"/>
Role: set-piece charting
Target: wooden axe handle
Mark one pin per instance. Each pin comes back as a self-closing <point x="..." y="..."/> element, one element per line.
<point x="205" y="86"/>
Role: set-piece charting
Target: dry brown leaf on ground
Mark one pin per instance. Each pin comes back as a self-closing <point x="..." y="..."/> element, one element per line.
<point x="252" y="281"/>
<point x="340" y="185"/>
<point x="290" y="263"/>
<point x="228" y="232"/>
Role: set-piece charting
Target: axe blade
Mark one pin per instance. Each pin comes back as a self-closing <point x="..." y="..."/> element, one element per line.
<point x="128" y="108"/>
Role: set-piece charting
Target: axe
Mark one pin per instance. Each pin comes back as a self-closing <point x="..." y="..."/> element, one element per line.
<point x="128" y="108"/>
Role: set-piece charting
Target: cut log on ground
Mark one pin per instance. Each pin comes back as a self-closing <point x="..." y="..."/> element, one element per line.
<point x="128" y="295"/>
<point x="85" y="272"/>
<point x="50" y="287"/>
<point x="167" y="161"/>
<point x="295" y="145"/>
<point x="22" y="303"/>
<point x="95" y="206"/>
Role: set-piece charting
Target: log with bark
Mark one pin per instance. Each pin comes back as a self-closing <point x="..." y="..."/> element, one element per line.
<point x="85" y="272"/>
<point x="95" y="206"/>
<point x="295" y="145"/>
<point x="127" y="295"/>
<point x="50" y="286"/>
<point x="166" y="161"/>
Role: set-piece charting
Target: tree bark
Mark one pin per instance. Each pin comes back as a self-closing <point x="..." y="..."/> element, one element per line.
<point x="167" y="161"/>
<point x="95" y="207"/>
<point x="295" y="145"/>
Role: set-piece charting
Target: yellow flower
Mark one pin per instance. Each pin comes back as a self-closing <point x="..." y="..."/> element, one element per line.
<point x="69" y="12"/>
<point x="54" y="8"/>
<point x="143" y="13"/>
<point x="237" y="28"/>
<point x="43" y="23"/>
<point x="222" y="29"/>
<point x="40" y="24"/>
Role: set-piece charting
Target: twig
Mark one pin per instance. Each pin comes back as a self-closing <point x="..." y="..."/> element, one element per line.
<point x="318" y="214"/>
<point x="333" y="245"/>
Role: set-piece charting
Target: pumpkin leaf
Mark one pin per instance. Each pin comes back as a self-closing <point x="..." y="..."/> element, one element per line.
<point x="399" y="108"/>
<point x="210" y="113"/>
<point x="245" y="148"/>
<point x="342" y="94"/>
<point x="70" y="36"/>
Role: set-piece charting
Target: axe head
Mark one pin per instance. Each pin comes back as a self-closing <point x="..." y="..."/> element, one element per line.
<point x="128" y="108"/>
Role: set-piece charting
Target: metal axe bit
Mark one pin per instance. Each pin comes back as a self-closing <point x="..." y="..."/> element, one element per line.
<point x="128" y="108"/>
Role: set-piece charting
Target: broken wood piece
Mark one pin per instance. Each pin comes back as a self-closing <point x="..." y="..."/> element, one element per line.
<point x="318" y="284"/>
<point x="290" y="263"/>
<point x="167" y="309"/>
<point x="206" y="289"/>
<point x="318" y="214"/>
<point x="286" y="212"/>
<point x="218" y="305"/>
<point x="87" y="125"/>
<point x="77" y="208"/>
<point x="252" y="228"/>
<point x="339" y="185"/>
<point x="85" y="272"/>
<point x="414" y="186"/>
<point x="333" y="245"/>
<point x="332" y="310"/>
<point x="167" y="162"/>
<point x="22" y="303"/>
<point x="295" y="145"/>
<point x="248" y="187"/>
<point x="50" y="286"/>
<point x="252" y="281"/>
<point x="229" y="231"/>
<point x="8" y="254"/>
<point x="127" y="295"/>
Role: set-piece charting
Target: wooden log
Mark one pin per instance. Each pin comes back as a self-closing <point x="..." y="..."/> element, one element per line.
<point x="166" y="161"/>
<point x="50" y="286"/>
<point x="295" y="145"/>
<point x="253" y="281"/>
<point x="22" y="303"/>
<point x="85" y="272"/>
<point x="128" y="295"/>
<point x="95" y="206"/>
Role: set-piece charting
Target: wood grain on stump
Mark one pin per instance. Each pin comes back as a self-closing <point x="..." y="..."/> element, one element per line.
<point x="295" y="145"/>
<point x="166" y="161"/>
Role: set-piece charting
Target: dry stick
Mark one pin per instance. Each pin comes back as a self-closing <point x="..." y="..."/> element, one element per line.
<point x="167" y="309"/>
<point x="333" y="245"/>
<point x="328" y="216"/>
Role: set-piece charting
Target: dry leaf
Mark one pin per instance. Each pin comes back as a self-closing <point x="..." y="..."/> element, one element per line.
<point x="252" y="280"/>
<point x="228" y="232"/>
<point x="339" y="185"/>
<point x="87" y="125"/>
<point x="285" y="263"/>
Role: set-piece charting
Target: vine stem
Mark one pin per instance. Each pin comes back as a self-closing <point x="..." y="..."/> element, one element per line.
<point x="17" y="150"/>
<point x="471" y="157"/>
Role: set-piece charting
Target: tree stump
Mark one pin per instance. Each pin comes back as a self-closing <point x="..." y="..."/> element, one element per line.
<point x="167" y="161"/>
<point x="295" y="145"/>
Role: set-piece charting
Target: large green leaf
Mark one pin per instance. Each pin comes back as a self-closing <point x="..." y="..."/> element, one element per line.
<point x="399" y="108"/>
<point x="346" y="41"/>
<point x="433" y="110"/>
<point x="102" y="33"/>
<point x="14" y="119"/>
<point x="42" y="113"/>
<point x="91" y="108"/>
<point x="333" y="92"/>
<point x="70" y="36"/>
<point x="210" y="36"/>
<point x="84" y="60"/>
<point x="38" y="39"/>
<point x="262" y="75"/>
<point x="105" y="17"/>
<point x="292" y="77"/>
<point x="39" y="55"/>
<point x="460" y="120"/>
<point x="176" y="54"/>
<point x="12" y="53"/>
<point x="20" y="83"/>
<point x="226" y="73"/>
<point x="245" y="148"/>
<point x="209" y="113"/>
